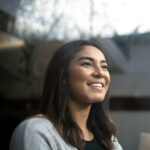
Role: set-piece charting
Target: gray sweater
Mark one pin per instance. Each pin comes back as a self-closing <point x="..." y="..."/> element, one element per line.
<point x="40" y="134"/>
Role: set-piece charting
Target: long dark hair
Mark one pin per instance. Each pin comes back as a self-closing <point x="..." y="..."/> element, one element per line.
<point x="55" y="101"/>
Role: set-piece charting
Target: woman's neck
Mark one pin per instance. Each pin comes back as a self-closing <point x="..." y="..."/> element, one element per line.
<point x="80" y="114"/>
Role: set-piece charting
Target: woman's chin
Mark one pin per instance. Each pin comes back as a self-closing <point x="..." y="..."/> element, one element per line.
<point x="96" y="100"/>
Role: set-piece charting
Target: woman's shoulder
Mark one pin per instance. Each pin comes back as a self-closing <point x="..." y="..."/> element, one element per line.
<point x="35" y="124"/>
<point x="37" y="132"/>
<point x="32" y="132"/>
<point x="38" y="122"/>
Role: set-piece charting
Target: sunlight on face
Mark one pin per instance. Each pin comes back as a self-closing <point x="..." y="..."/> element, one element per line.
<point x="89" y="78"/>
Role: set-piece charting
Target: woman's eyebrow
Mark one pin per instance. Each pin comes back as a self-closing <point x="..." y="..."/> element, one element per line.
<point x="88" y="58"/>
<point x="91" y="59"/>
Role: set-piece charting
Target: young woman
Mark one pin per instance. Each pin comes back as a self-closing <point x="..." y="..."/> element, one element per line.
<point x="74" y="113"/>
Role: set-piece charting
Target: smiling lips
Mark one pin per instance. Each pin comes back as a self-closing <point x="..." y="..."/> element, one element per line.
<point x="98" y="86"/>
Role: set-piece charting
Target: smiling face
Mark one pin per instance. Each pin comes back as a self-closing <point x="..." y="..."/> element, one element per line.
<point x="89" y="78"/>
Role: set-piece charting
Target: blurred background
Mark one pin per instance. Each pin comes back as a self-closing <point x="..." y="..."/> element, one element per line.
<point x="31" y="31"/>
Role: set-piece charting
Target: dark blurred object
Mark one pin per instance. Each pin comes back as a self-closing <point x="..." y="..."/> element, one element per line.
<point x="130" y="103"/>
<point x="6" y="22"/>
<point x="12" y="112"/>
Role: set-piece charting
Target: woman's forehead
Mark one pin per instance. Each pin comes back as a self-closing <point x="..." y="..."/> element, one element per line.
<point x="90" y="51"/>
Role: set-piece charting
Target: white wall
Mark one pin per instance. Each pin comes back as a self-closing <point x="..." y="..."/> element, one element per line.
<point x="130" y="124"/>
<point x="137" y="81"/>
<point x="140" y="54"/>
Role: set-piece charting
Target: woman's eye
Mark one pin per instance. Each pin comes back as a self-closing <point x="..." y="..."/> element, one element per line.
<point x="86" y="64"/>
<point x="105" y="67"/>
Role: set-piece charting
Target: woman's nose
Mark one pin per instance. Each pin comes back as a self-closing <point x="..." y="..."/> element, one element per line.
<point x="98" y="72"/>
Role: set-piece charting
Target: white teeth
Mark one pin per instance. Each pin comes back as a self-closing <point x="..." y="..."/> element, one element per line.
<point x="96" y="85"/>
